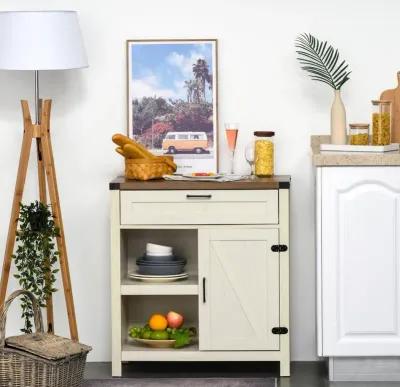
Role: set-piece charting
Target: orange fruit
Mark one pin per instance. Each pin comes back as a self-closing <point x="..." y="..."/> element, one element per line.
<point x="158" y="322"/>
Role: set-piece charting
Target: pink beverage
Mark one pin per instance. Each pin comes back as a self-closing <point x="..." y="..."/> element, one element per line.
<point x="231" y="137"/>
<point x="231" y="131"/>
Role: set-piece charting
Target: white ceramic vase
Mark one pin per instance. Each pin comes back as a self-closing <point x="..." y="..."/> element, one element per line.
<point x="338" y="121"/>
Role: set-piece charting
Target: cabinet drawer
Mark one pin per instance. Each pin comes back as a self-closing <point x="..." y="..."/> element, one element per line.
<point x="199" y="207"/>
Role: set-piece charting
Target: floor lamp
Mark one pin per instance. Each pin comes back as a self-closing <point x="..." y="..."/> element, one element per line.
<point x="36" y="41"/>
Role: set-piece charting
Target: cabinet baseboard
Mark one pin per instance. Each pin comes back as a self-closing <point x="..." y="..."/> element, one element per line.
<point x="343" y="369"/>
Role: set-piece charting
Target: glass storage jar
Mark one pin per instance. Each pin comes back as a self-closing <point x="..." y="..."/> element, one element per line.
<point x="359" y="134"/>
<point x="381" y="122"/>
<point x="264" y="153"/>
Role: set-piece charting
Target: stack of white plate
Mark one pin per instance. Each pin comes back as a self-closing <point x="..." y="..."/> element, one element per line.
<point x="159" y="264"/>
<point x="158" y="278"/>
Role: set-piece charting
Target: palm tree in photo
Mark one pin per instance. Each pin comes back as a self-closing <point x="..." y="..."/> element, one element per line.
<point x="201" y="75"/>
<point x="190" y="88"/>
<point x="197" y="92"/>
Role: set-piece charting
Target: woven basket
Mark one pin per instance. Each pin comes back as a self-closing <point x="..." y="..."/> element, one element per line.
<point x="147" y="169"/>
<point x="39" y="359"/>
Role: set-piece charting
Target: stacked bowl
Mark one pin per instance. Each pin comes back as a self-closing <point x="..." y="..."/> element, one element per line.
<point x="160" y="260"/>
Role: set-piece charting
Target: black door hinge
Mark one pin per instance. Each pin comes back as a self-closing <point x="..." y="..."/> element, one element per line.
<point x="278" y="248"/>
<point x="280" y="330"/>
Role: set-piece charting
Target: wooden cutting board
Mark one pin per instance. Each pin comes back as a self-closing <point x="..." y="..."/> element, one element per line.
<point x="393" y="95"/>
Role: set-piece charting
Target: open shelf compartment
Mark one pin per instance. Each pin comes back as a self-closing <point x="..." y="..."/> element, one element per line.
<point x="133" y="246"/>
<point x="137" y="309"/>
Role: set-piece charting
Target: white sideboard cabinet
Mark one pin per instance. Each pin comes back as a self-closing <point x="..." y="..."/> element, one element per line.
<point x="235" y="237"/>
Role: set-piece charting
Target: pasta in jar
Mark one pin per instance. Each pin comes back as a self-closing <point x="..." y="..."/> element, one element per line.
<point x="359" y="134"/>
<point x="381" y="122"/>
<point x="264" y="153"/>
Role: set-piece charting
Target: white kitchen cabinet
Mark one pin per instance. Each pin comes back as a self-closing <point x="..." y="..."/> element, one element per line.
<point x="359" y="261"/>
<point x="235" y="237"/>
<point x="358" y="270"/>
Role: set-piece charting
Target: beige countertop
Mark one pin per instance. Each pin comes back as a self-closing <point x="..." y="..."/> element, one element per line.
<point x="331" y="159"/>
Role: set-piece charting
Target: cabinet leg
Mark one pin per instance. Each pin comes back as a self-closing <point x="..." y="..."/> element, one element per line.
<point x="284" y="368"/>
<point x="116" y="369"/>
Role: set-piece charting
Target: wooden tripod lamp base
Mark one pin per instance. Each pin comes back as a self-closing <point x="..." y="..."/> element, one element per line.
<point x="47" y="182"/>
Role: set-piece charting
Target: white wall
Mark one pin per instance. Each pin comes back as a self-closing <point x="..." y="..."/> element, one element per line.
<point x="260" y="86"/>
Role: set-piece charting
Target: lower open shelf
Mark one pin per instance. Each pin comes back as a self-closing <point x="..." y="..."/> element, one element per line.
<point x="136" y="352"/>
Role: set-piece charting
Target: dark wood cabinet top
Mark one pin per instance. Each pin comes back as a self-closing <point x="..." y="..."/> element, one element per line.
<point x="275" y="182"/>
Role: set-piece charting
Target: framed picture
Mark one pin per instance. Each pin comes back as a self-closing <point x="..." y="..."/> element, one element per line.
<point x="172" y="100"/>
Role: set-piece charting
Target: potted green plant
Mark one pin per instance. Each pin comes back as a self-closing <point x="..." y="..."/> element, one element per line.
<point x="322" y="63"/>
<point x="35" y="256"/>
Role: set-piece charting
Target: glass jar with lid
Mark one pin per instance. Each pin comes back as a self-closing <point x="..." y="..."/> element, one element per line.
<point x="381" y="122"/>
<point x="264" y="153"/>
<point x="359" y="134"/>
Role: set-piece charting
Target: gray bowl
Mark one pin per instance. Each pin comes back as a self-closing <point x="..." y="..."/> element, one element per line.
<point x="145" y="261"/>
<point x="159" y="258"/>
<point x="160" y="269"/>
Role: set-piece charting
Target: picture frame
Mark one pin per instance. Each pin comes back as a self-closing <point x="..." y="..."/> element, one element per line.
<point x="172" y="89"/>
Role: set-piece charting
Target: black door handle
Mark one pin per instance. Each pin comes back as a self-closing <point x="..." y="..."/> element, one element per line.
<point x="204" y="290"/>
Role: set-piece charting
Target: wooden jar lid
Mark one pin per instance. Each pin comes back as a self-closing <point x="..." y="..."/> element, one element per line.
<point x="359" y="125"/>
<point x="264" y="133"/>
<point x="380" y="102"/>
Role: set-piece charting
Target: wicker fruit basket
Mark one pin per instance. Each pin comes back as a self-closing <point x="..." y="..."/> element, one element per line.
<point x="39" y="359"/>
<point x="149" y="168"/>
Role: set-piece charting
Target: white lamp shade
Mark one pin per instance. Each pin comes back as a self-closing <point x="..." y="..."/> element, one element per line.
<point x="41" y="40"/>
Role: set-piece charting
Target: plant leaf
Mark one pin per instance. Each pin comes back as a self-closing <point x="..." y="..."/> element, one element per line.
<point x="320" y="60"/>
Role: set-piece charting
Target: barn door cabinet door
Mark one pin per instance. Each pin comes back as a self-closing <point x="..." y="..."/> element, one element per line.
<point x="239" y="289"/>
<point x="360" y="261"/>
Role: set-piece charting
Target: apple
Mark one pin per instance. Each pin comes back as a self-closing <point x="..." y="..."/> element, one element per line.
<point x="175" y="320"/>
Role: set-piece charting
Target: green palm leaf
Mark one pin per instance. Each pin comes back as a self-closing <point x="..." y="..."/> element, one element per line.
<point x="321" y="61"/>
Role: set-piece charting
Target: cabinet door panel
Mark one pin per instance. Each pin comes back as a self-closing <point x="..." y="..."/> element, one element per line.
<point x="360" y="261"/>
<point x="241" y="276"/>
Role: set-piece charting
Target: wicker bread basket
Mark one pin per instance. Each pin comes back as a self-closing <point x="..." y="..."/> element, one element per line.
<point x="39" y="359"/>
<point x="147" y="169"/>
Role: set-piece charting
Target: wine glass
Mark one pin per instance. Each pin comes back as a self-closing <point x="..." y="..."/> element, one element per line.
<point x="231" y="131"/>
<point x="250" y="158"/>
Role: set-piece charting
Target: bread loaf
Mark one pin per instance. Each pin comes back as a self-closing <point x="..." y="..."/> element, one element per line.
<point x="120" y="151"/>
<point x="135" y="149"/>
<point x="134" y="152"/>
<point x="121" y="140"/>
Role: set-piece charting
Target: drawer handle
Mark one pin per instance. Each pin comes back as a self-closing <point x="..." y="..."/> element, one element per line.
<point x="204" y="290"/>
<point x="205" y="197"/>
